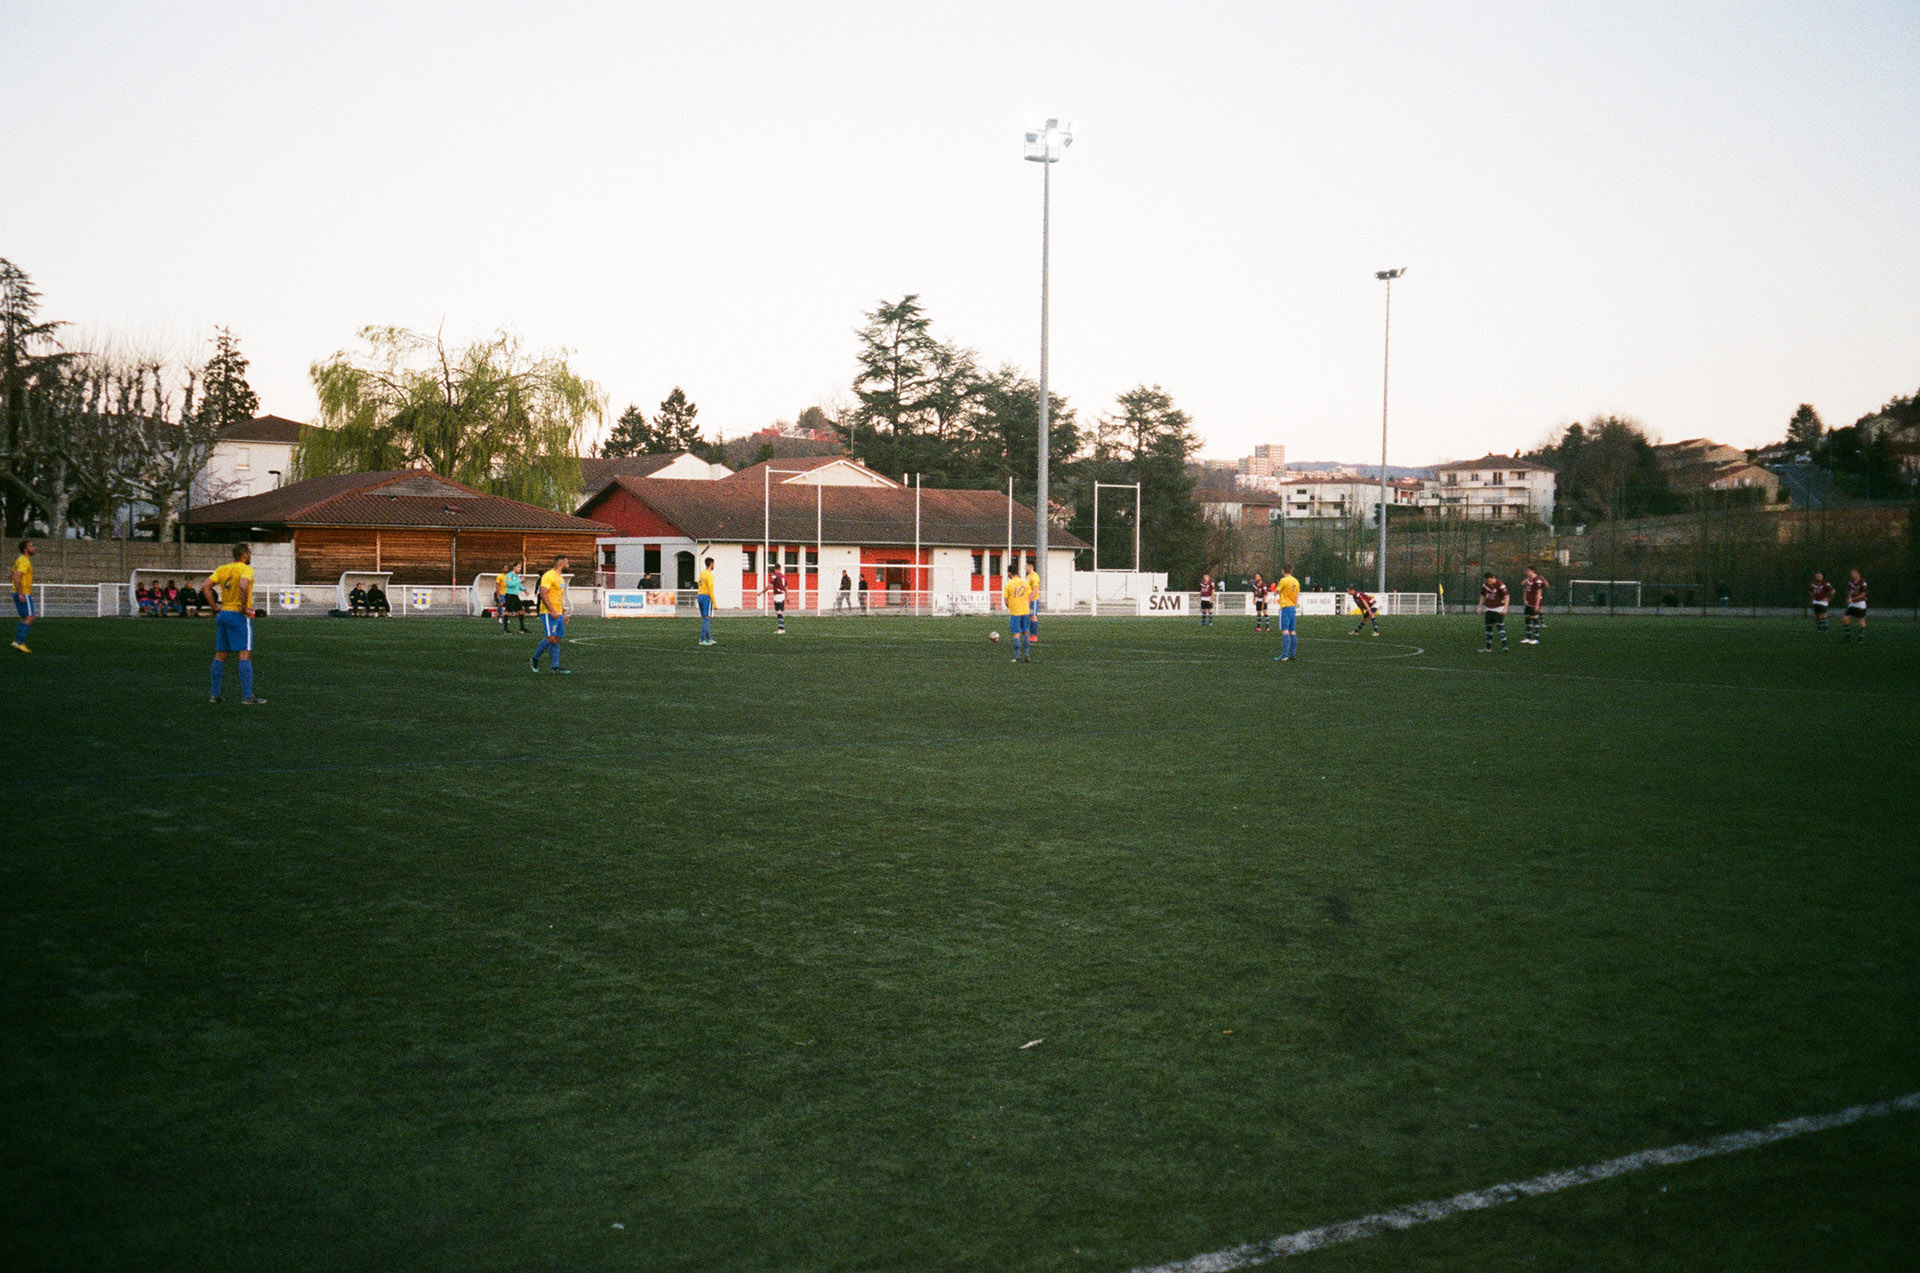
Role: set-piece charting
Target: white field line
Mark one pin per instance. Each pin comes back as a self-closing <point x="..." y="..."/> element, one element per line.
<point x="1242" y="1257"/>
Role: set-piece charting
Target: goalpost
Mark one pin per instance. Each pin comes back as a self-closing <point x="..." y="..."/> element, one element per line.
<point x="1602" y="592"/>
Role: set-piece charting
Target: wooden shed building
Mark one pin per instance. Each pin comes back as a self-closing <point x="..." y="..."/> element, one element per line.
<point x="416" y="525"/>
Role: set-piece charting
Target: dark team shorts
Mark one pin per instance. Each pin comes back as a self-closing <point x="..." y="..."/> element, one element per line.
<point x="23" y="605"/>
<point x="1819" y="609"/>
<point x="1260" y="607"/>
<point x="1495" y="618"/>
<point x="1206" y="603"/>
<point x="1533" y="612"/>
<point x="232" y="632"/>
<point x="779" y="605"/>
<point x="1859" y="610"/>
<point x="510" y="603"/>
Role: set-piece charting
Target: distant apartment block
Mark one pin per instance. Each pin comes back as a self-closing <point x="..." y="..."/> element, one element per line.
<point x="1492" y="488"/>
<point x="1268" y="460"/>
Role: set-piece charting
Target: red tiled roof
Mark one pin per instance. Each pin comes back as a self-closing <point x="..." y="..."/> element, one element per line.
<point x="397" y="498"/>
<point x="264" y="428"/>
<point x="729" y="511"/>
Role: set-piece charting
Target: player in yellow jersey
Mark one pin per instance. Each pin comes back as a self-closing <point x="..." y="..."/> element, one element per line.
<point x="1033" y="603"/>
<point x="1287" y="593"/>
<point x="552" y="599"/>
<point x="233" y="626"/>
<point x="705" y="600"/>
<point x="23" y="597"/>
<point x="1019" y="595"/>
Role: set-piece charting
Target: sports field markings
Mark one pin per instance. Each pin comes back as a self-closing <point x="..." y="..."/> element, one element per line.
<point x="1306" y="1240"/>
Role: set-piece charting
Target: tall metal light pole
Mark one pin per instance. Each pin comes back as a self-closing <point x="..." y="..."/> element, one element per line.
<point x="1045" y="146"/>
<point x="1386" y="362"/>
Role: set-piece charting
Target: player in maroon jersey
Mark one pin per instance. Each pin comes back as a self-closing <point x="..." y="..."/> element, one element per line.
<point x="1259" y="603"/>
<point x="1369" y="611"/>
<point x="1493" y="603"/>
<point x="1820" y="596"/>
<point x="1206" y="601"/>
<point x="1533" y="596"/>
<point x="1856" y="607"/>
<point x="777" y="588"/>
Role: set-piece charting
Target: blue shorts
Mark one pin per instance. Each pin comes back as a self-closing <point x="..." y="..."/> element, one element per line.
<point x="1287" y="616"/>
<point x="1018" y="623"/>
<point x="23" y="605"/>
<point x="232" y="632"/>
<point x="556" y="626"/>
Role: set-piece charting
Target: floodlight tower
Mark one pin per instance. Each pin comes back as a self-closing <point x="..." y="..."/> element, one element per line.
<point x="1045" y="145"/>
<point x="1386" y="356"/>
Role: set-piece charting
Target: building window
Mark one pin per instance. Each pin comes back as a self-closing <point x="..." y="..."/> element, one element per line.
<point x="813" y="554"/>
<point x="243" y="456"/>
<point x="994" y="560"/>
<point x="979" y="559"/>
<point x="1513" y="477"/>
<point x="753" y="554"/>
<point x="793" y="554"/>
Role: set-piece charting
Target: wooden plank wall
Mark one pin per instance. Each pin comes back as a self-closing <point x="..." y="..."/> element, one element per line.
<point x="323" y="554"/>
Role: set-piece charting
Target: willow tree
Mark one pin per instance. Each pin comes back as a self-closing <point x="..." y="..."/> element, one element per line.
<point x="490" y="415"/>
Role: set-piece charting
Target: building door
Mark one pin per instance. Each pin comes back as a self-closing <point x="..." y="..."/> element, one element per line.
<point x="684" y="566"/>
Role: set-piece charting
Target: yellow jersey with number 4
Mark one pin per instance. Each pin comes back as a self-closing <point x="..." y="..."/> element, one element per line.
<point x="553" y="593"/>
<point x="1287" y="591"/>
<point x="235" y="582"/>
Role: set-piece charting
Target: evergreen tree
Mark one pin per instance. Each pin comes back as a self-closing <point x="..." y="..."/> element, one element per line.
<point x="226" y="397"/>
<point x="632" y="434"/>
<point x="673" y="426"/>
<point x="1804" y="429"/>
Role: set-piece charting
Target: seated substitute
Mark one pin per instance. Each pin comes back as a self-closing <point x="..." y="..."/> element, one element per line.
<point x="377" y="601"/>
<point x="357" y="602"/>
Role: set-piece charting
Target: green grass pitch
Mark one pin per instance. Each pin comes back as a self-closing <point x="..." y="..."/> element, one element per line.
<point x="724" y="958"/>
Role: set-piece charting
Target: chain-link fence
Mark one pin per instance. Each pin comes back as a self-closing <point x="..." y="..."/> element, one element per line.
<point x="1725" y="554"/>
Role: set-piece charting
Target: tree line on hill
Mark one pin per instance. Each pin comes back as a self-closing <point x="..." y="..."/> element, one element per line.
<point x="88" y="432"/>
<point x="1860" y="456"/>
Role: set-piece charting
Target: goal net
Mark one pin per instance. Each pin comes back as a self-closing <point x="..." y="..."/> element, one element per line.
<point x="1604" y="592"/>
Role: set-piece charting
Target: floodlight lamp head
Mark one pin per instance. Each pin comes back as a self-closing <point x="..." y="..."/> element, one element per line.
<point x="1389" y="275"/>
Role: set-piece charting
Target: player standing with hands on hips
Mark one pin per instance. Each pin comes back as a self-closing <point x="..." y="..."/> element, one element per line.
<point x="1206" y="601"/>
<point x="1493" y="602"/>
<point x="1287" y="594"/>
<point x="1821" y="596"/>
<point x="233" y="627"/>
<point x="1533" y="595"/>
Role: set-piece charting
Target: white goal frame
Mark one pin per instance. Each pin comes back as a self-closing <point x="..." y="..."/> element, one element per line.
<point x="1611" y="585"/>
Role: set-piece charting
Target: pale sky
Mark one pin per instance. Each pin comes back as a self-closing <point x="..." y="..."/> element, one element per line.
<point x="1697" y="214"/>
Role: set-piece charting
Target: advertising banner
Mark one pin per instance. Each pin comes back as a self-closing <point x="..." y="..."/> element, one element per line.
<point x="1166" y="604"/>
<point x="659" y="603"/>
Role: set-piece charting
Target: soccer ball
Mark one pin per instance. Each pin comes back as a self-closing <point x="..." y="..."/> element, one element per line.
<point x="779" y="632"/>
<point x="994" y="635"/>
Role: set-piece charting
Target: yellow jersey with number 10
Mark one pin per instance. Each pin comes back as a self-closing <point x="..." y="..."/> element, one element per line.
<point x="1018" y="595"/>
